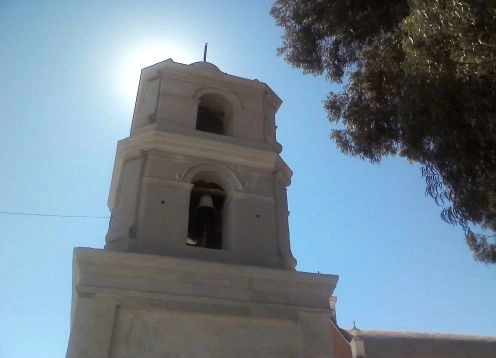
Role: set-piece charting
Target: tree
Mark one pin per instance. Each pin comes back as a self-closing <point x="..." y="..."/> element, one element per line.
<point x="420" y="83"/>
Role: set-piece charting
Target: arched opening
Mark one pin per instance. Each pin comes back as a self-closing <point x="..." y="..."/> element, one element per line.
<point x="214" y="114"/>
<point x="205" y="215"/>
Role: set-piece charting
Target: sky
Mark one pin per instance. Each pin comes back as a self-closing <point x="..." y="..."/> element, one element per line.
<point x="69" y="72"/>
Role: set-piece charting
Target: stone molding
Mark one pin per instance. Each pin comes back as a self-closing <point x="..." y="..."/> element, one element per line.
<point x="183" y="72"/>
<point x="233" y="180"/>
<point x="233" y="99"/>
<point x="119" y="298"/>
<point x="165" y="182"/>
<point x="96" y="269"/>
<point x="195" y="147"/>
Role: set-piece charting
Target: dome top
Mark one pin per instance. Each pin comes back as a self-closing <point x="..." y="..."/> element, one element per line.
<point x="205" y="66"/>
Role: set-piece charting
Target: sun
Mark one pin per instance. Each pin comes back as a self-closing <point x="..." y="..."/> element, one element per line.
<point x="146" y="55"/>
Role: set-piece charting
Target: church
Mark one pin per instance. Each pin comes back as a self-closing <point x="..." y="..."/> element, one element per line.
<point x="197" y="260"/>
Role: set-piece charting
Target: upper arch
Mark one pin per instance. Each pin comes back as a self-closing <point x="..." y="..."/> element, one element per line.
<point x="213" y="172"/>
<point x="231" y="97"/>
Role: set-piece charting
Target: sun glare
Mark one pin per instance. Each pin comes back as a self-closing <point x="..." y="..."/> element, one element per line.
<point x="144" y="56"/>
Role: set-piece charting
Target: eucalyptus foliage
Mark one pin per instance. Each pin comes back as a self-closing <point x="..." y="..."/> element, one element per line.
<point x="420" y="82"/>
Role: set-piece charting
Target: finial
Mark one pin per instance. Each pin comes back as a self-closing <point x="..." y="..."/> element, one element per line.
<point x="355" y="332"/>
<point x="205" y="52"/>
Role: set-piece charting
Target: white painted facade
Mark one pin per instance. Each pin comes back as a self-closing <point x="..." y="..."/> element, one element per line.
<point x="197" y="261"/>
<point x="156" y="165"/>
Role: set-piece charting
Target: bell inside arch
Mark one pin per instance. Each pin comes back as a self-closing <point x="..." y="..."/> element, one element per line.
<point x="206" y="202"/>
<point x="205" y="220"/>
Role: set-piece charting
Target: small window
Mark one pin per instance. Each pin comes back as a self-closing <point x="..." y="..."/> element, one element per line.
<point x="205" y="215"/>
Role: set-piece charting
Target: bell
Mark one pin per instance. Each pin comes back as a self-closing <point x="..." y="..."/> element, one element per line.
<point x="191" y="242"/>
<point x="206" y="201"/>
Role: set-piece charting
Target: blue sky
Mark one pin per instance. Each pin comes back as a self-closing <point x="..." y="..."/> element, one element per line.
<point x="69" y="74"/>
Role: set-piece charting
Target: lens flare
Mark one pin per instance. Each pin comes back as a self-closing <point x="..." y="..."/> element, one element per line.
<point x="146" y="55"/>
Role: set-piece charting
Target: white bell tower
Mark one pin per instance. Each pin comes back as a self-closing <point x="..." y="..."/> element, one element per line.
<point x="197" y="261"/>
<point x="200" y="133"/>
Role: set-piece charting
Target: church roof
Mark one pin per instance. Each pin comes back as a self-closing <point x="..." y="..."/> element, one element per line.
<point x="340" y="342"/>
<point x="389" y="344"/>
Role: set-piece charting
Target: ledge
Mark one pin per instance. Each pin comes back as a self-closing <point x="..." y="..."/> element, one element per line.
<point x="102" y="271"/>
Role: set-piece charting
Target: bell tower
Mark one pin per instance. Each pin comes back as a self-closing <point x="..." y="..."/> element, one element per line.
<point x="200" y="175"/>
<point x="197" y="261"/>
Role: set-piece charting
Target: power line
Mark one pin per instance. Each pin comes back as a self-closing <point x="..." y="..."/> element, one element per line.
<point x="54" y="215"/>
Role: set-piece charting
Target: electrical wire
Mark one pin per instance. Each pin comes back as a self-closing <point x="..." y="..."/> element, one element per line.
<point x="54" y="215"/>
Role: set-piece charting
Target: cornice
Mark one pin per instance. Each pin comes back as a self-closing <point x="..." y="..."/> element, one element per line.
<point x="93" y="261"/>
<point x="179" y="71"/>
<point x="203" y="148"/>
